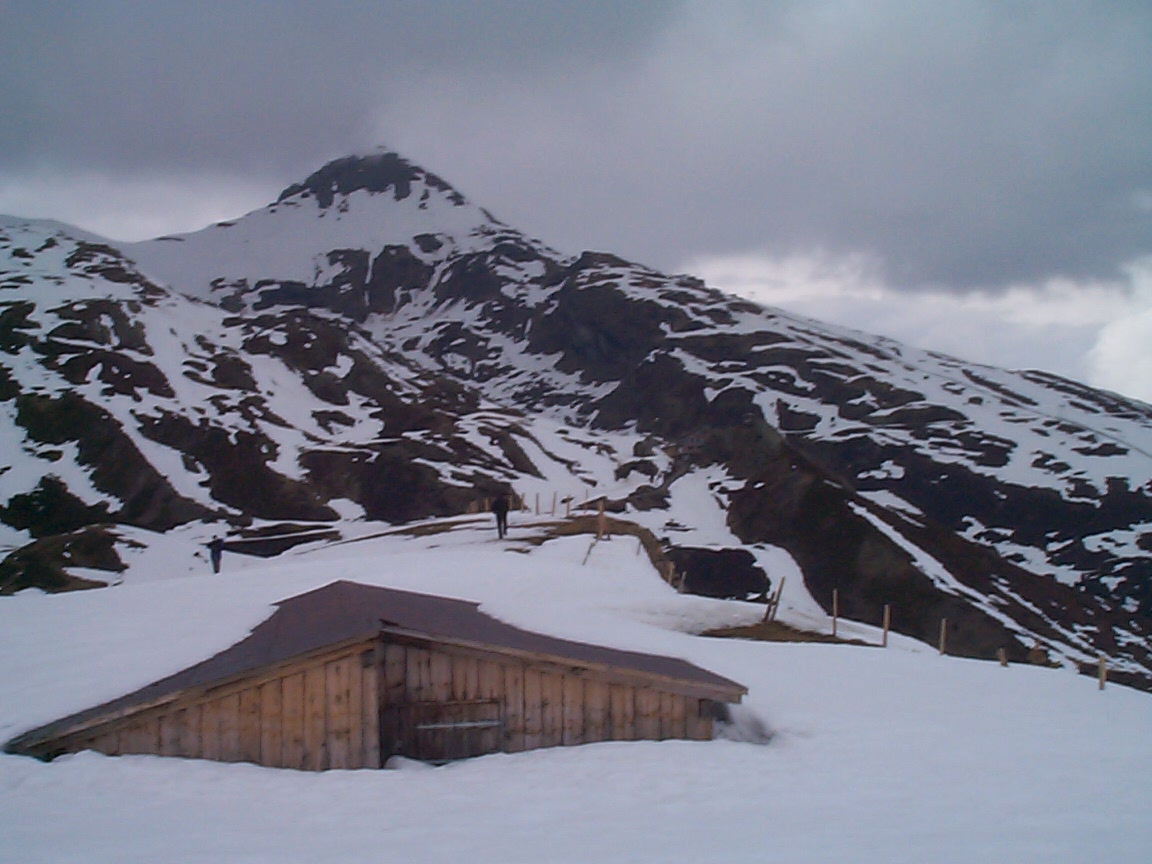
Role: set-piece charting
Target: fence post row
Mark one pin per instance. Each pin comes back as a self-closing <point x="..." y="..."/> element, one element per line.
<point x="773" y="607"/>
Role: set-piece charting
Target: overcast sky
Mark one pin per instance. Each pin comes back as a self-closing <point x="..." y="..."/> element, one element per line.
<point x="969" y="176"/>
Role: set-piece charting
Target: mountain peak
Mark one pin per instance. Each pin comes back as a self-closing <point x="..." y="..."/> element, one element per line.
<point x="377" y="172"/>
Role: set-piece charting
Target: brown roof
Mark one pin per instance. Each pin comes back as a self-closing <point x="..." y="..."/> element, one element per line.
<point x="347" y="612"/>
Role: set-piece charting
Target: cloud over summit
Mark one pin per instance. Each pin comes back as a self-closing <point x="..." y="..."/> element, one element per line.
<point x="963" y="144"/>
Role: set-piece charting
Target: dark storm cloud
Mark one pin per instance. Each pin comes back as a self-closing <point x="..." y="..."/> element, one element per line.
<point x="170" y="85"/>
<point x="958" y="144"/>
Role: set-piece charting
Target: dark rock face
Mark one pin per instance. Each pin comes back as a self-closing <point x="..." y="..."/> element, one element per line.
<point x="388" y="484"/>
<point x="729" y="574"/>
<point x="646" y="467"/>
<point x="361" y="287"/>
<point x="51" y="509"/>
<point x="238" y="469"/>
<point x="117" y="466"/>
<point x="795" y="505"/>
<point x="43" y="564"/>
<point x="598" y="332"/>
<point x="377" y="173"/>
<point x="14" y="323"/>
<point x="660" y="395"/>
<point x="395" y="276"/>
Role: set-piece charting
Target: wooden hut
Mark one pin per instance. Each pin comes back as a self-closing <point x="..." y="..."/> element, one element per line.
<point x="348" y="675"/>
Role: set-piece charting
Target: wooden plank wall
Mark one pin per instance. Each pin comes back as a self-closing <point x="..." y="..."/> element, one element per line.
<point x="328" y="713"/>
<point x="543" y="706"/>
<point x="317" y="716"/>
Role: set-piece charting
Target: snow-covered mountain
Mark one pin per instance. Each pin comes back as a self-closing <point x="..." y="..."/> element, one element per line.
<point x="372" y="345"/>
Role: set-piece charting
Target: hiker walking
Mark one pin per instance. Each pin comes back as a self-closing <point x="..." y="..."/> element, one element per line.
<point x="500" y="508"/>
<point x="216" y="552"/>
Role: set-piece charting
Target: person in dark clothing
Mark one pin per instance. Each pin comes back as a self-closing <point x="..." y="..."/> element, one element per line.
<point x="500" y="508"/>
<point x="216" y="552"/>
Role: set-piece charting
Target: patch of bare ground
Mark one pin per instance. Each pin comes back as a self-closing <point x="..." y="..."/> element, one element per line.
<point x="608" y="528"/>
<point x="428" y="529"/>
<point x="776" y="631"/>
<point x="268" y="541"/>
<point x="423" y="529"/>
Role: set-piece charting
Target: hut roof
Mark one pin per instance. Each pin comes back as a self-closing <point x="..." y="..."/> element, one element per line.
<point x="344" y="612"/>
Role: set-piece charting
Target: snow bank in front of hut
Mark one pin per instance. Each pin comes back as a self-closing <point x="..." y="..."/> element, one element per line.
<point x="894" y="755"/>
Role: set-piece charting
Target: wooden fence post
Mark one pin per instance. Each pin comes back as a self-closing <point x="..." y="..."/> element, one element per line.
<point x="768" y="608"/>
<point x="591" y="546"/>
<point x="887" y="624"/>
<point x="774" y="602"/>
<point x="835" y="609"/>
<point x="943" y="635"/>
<point x="553" y="503"/>
<point x="1102" y="672"/>
<point x="601" y="523"/>
<point x="1002" y="656"/>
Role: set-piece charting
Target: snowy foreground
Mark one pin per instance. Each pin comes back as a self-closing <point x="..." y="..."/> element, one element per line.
<point x="894" y="755"/>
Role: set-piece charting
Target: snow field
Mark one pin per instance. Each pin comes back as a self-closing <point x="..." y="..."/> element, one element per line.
<point x="894" y="755"/>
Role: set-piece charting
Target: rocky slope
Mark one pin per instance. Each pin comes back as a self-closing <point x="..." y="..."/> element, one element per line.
<point x="373" y="345"/>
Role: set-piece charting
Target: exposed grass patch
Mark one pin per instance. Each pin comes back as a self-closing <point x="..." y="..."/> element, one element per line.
<point x="776" y="631"/>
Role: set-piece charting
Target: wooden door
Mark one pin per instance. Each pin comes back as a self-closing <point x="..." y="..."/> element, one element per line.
<point x="441" y="731"/>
